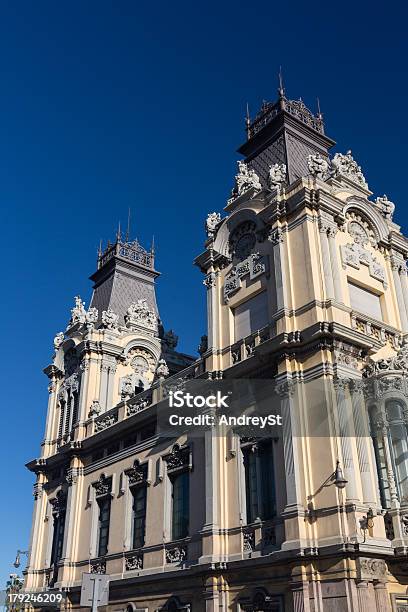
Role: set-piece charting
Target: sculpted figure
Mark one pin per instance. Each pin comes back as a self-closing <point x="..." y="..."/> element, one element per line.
<point x="276" y="175"/>
<point x="317" y="165"/>
<point x="387" y="207"/>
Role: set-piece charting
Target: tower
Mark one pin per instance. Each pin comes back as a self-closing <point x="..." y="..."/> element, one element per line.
<point x="305" y="276"/>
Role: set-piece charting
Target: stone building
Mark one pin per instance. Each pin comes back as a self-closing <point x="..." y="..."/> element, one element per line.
<point x="306" y="285"/>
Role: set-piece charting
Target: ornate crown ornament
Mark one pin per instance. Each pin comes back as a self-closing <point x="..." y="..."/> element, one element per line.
<point x="245" y="180"/>
<point x="140" y="314"/>
<point x="398" y="364"/>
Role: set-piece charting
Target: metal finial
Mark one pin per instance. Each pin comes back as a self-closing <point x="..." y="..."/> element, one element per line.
<point x="319" y="112"/>
<point x="153" y="246"/>
<point x="119" y="233"/>
<point x="128" y="226"/>
<point x="247" y="121"/>
<point x="100" y="248"/>
<point x="281" y="90"/>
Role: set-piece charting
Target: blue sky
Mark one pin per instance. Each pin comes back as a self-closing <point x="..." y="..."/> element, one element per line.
<point x="111" y="105"/>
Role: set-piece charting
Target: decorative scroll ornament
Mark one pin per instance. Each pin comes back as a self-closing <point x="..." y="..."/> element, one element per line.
<point x="138" y="406"/>
<point x="140" y="314"/>
<point x="162" y="370"/>
<point x="178" y="459"/>
<point x="386" y="206"/>
<point x="140" y="360"/>
<point x="59" y="504"/>
<point x="106" y="422"/>
<point x="276" y="176"/>
<point x="345" y="165"/>
<point x="245" y="179"/>
<point x="176" y="554"/>
<point x="103" y="486"/>
<point x="211" y="223"/>
<point x="355" y="254"/>
<point x="137" y="474"/>
<point x="58" y="340"/>
<point x="98" y="568"/>
<point x="110" y="319"/>
<point x="318" y="165"/>
<point x="397" y="364"/>
<point x="253" y="266"/>
<point x="95" y="408"/>
<point x="78" y="312"/>
<point x="135" y="562"/>
<point x="91" y="317"/>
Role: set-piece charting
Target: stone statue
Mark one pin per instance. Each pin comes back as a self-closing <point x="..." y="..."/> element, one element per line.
<point x="345" y="165"/>
<point x="203" y="346"/>
<point x="245" y="180"/>
<point x="171" y="339"/>
<point x="276" y="176"/>
<point x="91" y="317"/>
<point x="162" y="369"/>
<point x="78" y="313"/>
<point x="58" y="340"/>
<point x="110" y="319"/>
<point x="317" y="165"/>
<point x="139" y="313"/>
<point x="387" y="207"/>
<point x="95" y="408"/>
<point x="213" y="219"/>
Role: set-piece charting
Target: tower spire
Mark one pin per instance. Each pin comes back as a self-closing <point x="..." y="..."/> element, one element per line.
<point x="128" y="226"/>
<point x="247" y="121"/>
<point x="281" y="88"/>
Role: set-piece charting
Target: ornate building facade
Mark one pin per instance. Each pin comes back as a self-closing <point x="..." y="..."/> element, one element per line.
<point x="306" y="285"/>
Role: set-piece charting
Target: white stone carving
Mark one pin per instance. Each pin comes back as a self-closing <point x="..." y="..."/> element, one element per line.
<point x="78" y="313"/>
<point x="211" y="223"/>
<point x="396" y="364"/>
<point x="162" y="370"/>
<point x="386" y="206"/>
<point x="317" y="165"/>
<point x="58" y="340"/>
<point x="276" y="176"/>
<point x="245" y="180"/>
<point x="355" y="254"/>
<point x="95" y="408"/>
<point x="110" y="319"/>
<point x="254" y="266"/>
<point x="91" y="317"/>
<point x="345" y="165"/>
<point x="140" y="314"/>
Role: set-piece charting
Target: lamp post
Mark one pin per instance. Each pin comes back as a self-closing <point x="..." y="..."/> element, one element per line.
<point x="17" y="562"/>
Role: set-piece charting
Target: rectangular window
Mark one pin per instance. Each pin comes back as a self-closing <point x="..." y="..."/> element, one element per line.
<point x="103" y="525"/>
<point x="58" y="538"/>
<point x="259" y="482"/>
<point x="139" y="516"/>
<point x="250" y="316"/>
<point x="180" y="505"/>
<point x="365" y="301"/>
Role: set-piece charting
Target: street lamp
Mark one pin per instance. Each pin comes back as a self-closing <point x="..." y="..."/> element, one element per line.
<point x="17" y="562"/>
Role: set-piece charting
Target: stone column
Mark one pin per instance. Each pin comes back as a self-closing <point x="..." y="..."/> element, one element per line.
<point x="212" y="314"/>
<point x="74" y="478"/>
<point x="335" y="267"/>
<point x="382" y="599"/>
<point x="291" y="437"/>
<point x="363" y="596"/>
<point x="51" y="412"/>
<point x="344" y="416"/>
<point x="37" y="530"/>
<point x="327" y="272"/>
<point x="211" y="595"/>
<point x="301" y="602"/>
<point x="404" y="284"/>
<point x="279" y="262"/>
<point x="110" y="385"/>
<point x="363" y="439"/>
<point x="395" y="266"/>
<point x="83" y="392"/>
<point x="383" y="427"/>
<point x="103" y="385"/>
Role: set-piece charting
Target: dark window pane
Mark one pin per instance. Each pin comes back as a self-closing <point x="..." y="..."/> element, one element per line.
<point x="180" y="506"/>
<point x="103" y="526"/>
<point x="139" y="516"/>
